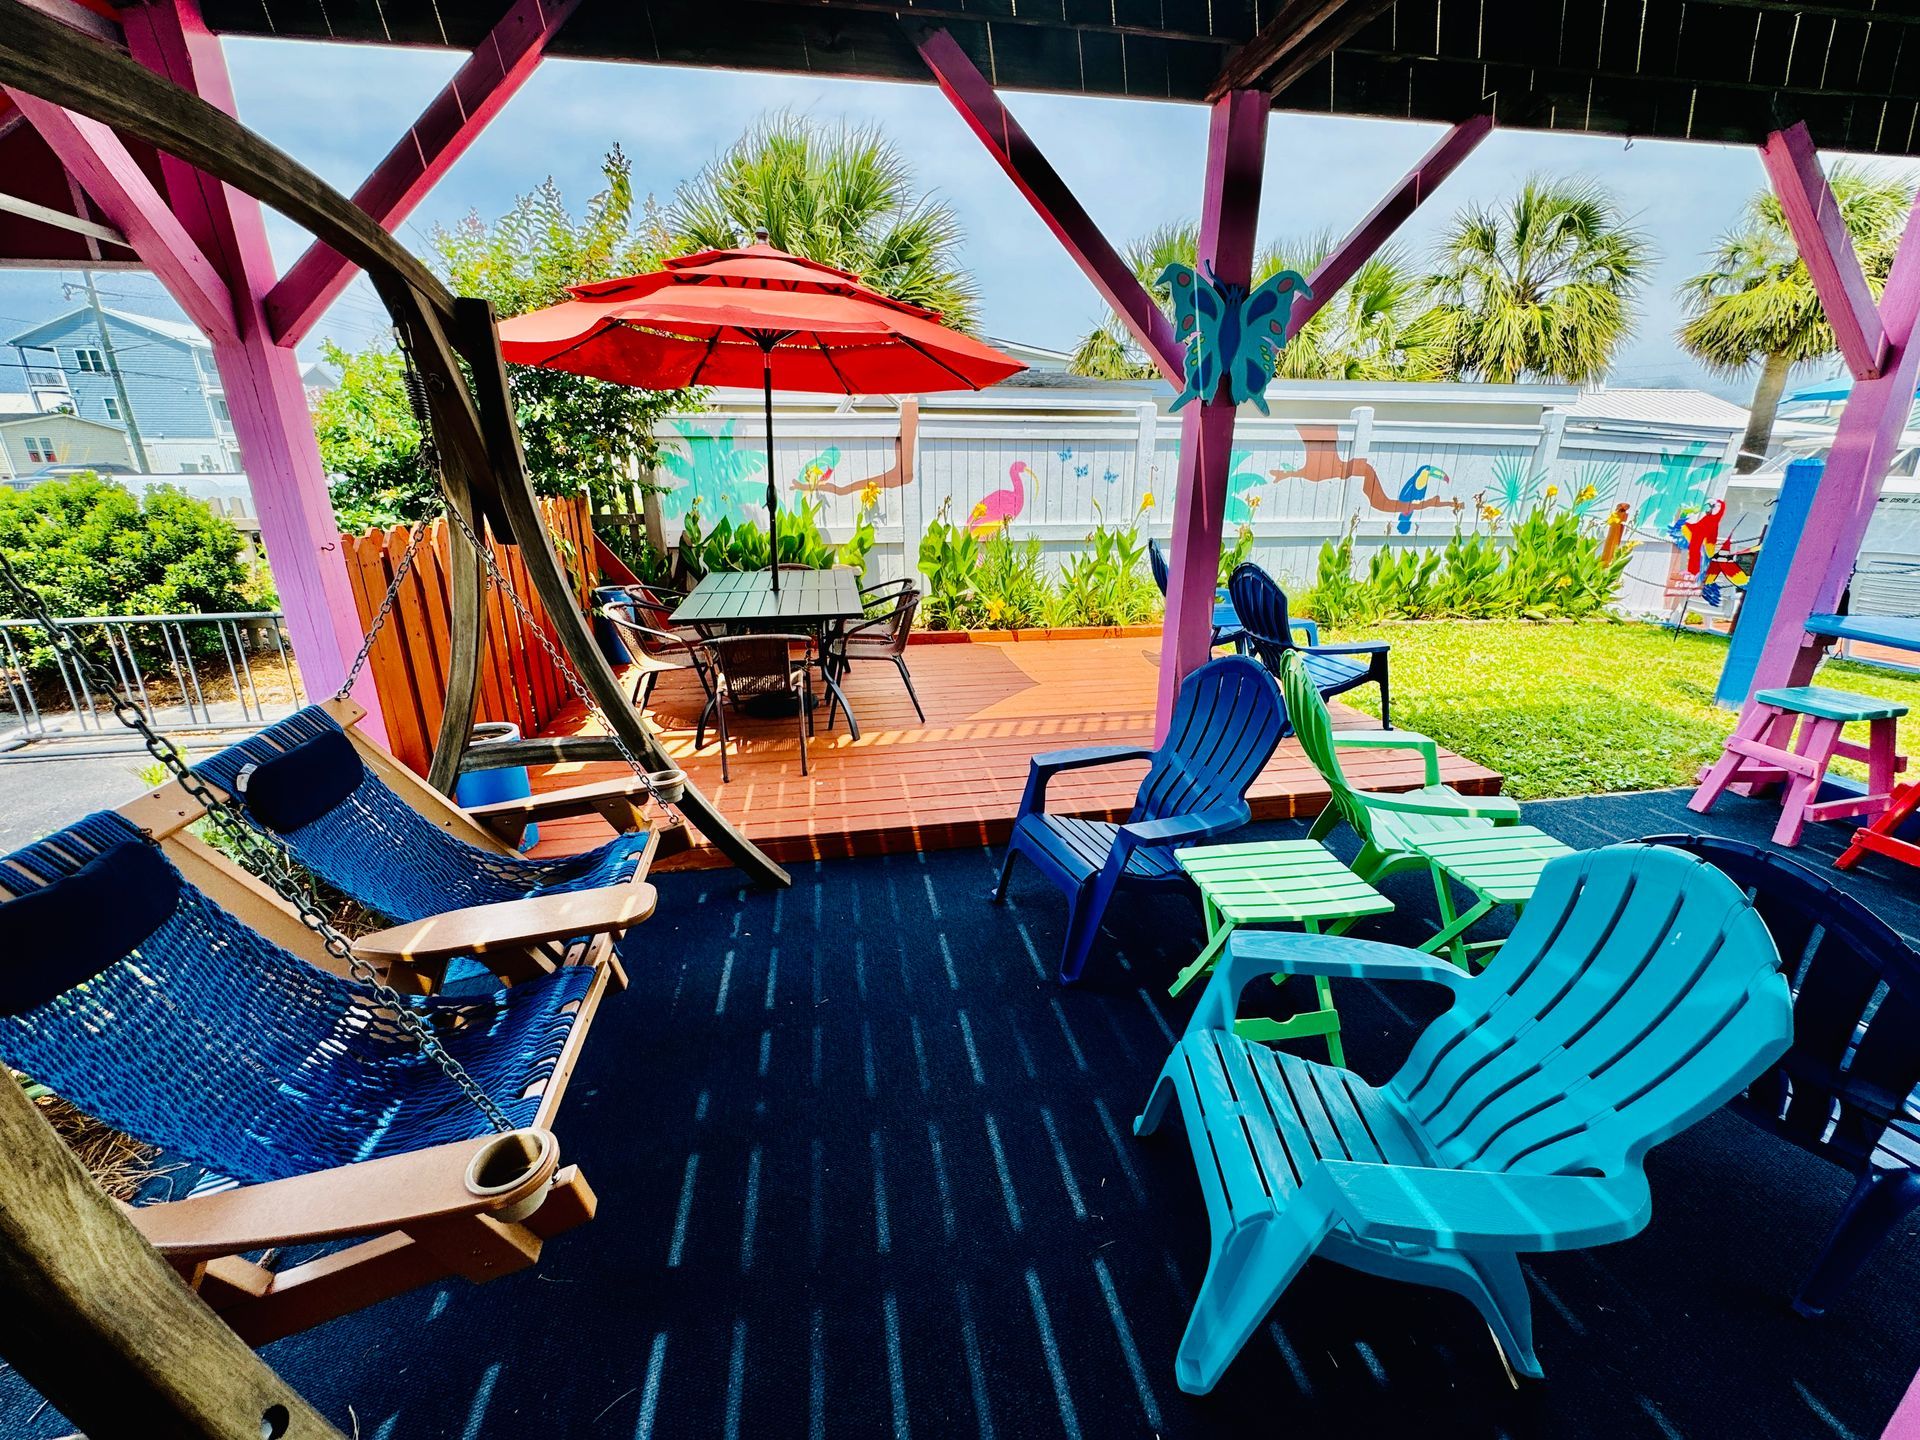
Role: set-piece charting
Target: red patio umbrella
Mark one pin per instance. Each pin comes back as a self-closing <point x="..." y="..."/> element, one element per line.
<point x="731" y="317"/>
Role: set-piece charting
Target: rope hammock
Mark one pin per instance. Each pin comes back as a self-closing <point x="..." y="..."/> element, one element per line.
<point x="135" y="997"/>
<point x="301" y="780"/>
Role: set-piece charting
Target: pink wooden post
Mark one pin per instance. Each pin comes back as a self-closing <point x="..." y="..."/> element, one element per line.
<point x="1905" y="1424"/>
<point x="1236" y="157"/>
<point x="94" y="156"/>
<point x="973" y="96"/>
<point x="1813" y="214"/>
<point x="1870" y="427"/>
<point x="261" y="379"/>
<point x="491" y="76"/>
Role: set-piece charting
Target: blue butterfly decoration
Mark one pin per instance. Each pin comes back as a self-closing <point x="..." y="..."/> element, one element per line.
<point x="1080" y="471"/>
<point x="1109" y="476"/>
<point x="1231" y="331"/>
<point x="1066" y="454"/>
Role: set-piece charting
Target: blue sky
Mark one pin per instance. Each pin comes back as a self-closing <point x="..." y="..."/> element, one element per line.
<point x="1133" y="163"/>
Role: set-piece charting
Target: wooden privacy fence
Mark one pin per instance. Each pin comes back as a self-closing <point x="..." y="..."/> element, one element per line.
<point x="519" y="681"/>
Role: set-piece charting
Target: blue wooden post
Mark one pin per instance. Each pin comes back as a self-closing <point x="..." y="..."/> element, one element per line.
<point x="1762" y="601"/>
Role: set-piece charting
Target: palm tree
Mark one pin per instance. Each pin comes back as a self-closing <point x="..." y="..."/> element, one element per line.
<point x="1540" y="288"/>
<point x="1755" y="300"/>
<point x="837" y="194"/>
<point x="1379" y="327"/>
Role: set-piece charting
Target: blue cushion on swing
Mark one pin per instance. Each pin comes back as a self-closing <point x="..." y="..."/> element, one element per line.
<point x="298" y="786"/>
<point x="71" y="929"/>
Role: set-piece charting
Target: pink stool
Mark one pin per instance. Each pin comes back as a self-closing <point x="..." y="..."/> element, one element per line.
<point x="1763" y="750"/>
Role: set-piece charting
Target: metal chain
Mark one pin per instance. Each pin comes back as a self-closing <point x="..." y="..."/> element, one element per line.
<point x="263" y="858"/>
<point x="386" y="609"/>
<point x="560" y="659"/>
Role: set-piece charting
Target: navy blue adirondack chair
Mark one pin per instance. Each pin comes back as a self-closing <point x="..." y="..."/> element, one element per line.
<point x="1268" y="633"/>
<point x="1227" y="720"/>
<point x="1845" y="1090"/>
<point x="1226" y="625"/>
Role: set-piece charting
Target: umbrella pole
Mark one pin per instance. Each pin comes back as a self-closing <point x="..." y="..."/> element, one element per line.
<point x="773" y="497"/>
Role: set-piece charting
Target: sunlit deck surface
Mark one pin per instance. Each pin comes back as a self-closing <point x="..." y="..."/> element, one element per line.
<point x="955" y="779"/>
<point x="865" y="1169"/>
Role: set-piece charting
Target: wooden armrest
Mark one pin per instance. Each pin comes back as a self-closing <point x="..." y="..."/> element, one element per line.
<point x="367" y="1198"/>
<point x="510" y="925"/>
<point x="556" y="804"/>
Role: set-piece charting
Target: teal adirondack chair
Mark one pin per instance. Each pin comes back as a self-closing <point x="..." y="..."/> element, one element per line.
<point x="1638" y="993"/>
<point x="1385" y="823"/>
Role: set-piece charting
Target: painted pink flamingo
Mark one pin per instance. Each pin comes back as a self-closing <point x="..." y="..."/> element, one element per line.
<point x="1002" y="506"/>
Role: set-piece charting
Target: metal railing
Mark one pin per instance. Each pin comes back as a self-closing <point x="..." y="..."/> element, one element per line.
<point x="230" y="670"/>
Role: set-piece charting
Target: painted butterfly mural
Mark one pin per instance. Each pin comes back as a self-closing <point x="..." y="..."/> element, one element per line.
<point x="1231" y="331"/>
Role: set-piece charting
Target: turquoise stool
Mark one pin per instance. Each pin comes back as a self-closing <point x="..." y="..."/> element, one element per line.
<point x="1765" y="749"/>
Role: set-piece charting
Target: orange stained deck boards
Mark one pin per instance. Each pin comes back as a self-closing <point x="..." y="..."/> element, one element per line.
<point x="956" y="779"/>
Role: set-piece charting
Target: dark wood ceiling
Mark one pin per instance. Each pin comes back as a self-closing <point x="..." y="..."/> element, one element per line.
<point x="1724" y="70"/>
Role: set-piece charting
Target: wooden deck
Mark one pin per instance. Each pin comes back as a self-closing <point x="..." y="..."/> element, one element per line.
<point x="955" y="780"/>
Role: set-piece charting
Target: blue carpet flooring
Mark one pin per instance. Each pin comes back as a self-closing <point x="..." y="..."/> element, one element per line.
<point x="865" y="1169"/>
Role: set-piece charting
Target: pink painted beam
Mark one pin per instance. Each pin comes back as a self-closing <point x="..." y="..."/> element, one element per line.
<point x="261" y="379"/>
<point x="973" y="96"/>
<point x="1814" y="217"/>
<point x="491" y="76"/>
<point x="95" y="157"/>
<point x="1905" y="1424"/>
<point x="1343" y="262"/>
<point x="1864" y="445"/>
<point x="1236" y="158"/>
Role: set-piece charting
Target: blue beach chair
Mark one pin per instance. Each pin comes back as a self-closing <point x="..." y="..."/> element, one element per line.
<point x="1267" y="631"/>
<point x="1227" y="719"/>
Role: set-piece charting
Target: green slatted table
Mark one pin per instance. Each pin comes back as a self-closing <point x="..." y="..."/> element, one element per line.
<point x="1278" y="882"/>
<point x="1500" y="865"/>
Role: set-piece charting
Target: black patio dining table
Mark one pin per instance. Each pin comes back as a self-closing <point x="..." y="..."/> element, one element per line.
<point x="807" y="599"/>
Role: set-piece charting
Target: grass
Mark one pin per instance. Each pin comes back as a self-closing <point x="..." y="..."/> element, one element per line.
<point x="1581" y="709"/>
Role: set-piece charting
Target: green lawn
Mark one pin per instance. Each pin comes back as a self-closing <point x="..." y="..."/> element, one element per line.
<point x="1579" y="709"/>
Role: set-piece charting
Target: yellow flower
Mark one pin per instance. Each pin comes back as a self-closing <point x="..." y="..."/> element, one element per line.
<point x="994" y="609"/>
<point x="1586" y="493"/>
<point x="870" y="496"/>
<point x="1146" y="501"/>
<point x="1489" y="512"/>
<point x="979" y="511"/>
<point x="1563" y="582"/>
<point x="1552" y="490"/>
<point x="1253" y="502"/>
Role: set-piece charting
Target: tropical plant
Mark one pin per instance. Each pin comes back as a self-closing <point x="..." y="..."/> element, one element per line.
<point x="1469" y="580"/>
<point x="1379" y="327"/>
<point x="839" y="194"/>
<point x="1756" y="302"/>
<point x="950" y="561"/>
<point x="1337" y="598"/>
<point x="1107" y="583"/>
<point x="744" y="546"/>
<point x="1233" y="556"/>
<point x="1011" y="582"/>
<point x="1402" y="581"/>
<point x="1542" y="287"/>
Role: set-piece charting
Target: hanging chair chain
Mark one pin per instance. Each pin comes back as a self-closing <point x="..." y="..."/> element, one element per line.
<point x="380" y="617"/>
<point x="263" y="858"/>
<point x="561" y="661"/>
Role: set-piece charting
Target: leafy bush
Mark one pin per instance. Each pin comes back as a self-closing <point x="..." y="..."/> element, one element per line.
<point x="745" y="547"/>
<point x="1002" y="583"/>
<point x="1233" y="556"/>
<point x="1551" y="568"/>
<point x="950" y="561"/>
<point x="88" y="547"/>
<point x="1108" y="583"/>
<point x="1011" y="582"/>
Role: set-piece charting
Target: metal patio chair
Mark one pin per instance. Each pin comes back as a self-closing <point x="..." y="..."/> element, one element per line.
<point x="757" y="668"/>
<point x="883" y="637"/>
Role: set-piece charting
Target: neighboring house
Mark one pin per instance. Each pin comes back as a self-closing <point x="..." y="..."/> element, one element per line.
<point x="167" y="368"/>
<point x="31" y="439"/>
<point x="316" y="380"/>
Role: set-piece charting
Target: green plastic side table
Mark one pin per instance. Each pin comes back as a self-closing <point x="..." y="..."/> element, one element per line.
<point x="1278" y="882"/>
<point x="1499" y="865"/>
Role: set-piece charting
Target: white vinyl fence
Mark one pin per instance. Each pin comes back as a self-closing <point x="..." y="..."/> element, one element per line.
<point x="1056" y="466"/>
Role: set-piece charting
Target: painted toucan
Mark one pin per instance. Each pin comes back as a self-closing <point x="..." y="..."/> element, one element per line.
<point x="1414" y="491"/>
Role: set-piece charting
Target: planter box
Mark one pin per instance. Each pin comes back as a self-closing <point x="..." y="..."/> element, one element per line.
<point x="1014" y="637"/>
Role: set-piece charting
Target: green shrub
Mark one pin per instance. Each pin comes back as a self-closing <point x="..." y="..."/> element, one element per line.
<point x="950" y="561"/>
<point x="745" y="547"/>
<point x="1108" y="583"/>
<point x="1337" y="598"/>
<point x="1233" y="556"/>
<point x="1011" y="582"/>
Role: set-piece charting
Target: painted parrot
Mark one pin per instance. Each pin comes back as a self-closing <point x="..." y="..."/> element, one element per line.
<point x="1414" y="493"/>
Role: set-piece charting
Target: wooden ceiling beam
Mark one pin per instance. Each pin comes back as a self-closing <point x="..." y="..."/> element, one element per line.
<point x="1303" y="34"/>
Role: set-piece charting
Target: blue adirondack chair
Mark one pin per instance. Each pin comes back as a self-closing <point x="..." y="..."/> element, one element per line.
<point x="1638" y="992"/>
<point x="1268" y="632"/>
<point x="1845" y="1090"/>
<point x="1227" y="719"/>
<point x="1226" y="625"/>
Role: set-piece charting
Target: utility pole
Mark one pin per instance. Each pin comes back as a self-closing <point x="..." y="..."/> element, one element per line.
<point x="119" y="381"/>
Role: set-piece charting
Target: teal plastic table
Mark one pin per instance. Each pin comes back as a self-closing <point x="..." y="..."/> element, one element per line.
<point x="1499" y="865"/>
<point x="1277" y="882"/>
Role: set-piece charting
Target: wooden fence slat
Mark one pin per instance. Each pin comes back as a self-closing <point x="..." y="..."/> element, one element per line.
<point x="518" y="681"/>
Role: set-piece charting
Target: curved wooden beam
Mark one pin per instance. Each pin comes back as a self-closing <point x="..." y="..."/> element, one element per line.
<point x="467" y="586"/>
